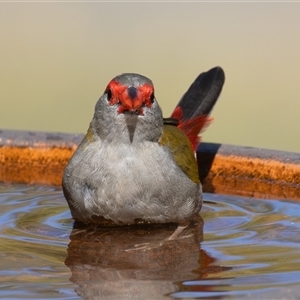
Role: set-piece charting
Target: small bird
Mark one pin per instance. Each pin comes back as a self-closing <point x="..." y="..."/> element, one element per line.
<point x="135" y="167"/>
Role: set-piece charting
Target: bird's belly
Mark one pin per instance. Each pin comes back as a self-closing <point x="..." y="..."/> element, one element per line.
<point x="132" y="186"/>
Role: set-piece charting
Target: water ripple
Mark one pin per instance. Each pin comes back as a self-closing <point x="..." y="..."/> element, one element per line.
<point x="249" y="249"/>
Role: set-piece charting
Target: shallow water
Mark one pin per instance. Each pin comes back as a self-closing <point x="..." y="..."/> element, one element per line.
<point x="245" y="248"/>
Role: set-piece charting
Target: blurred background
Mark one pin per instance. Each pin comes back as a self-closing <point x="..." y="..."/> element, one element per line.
<point x="57" y="58"/>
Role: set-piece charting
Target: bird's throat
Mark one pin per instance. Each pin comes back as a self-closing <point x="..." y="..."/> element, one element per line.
<point x="131" y="122"/>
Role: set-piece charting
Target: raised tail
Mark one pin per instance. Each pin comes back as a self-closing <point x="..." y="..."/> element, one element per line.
<point x="193" y="110"/>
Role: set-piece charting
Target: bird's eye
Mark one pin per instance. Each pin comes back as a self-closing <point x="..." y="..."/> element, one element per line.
<point x="108" y="94"/>
<point x="152" y="97"/>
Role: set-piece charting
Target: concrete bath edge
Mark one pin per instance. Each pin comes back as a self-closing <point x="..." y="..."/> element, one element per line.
<point x="33" y="157"/>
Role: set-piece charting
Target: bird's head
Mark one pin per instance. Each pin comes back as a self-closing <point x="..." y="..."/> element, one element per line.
<point x="128" y="108"/>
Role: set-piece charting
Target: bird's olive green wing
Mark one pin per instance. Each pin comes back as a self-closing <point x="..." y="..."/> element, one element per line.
<point x="180" y="147"/>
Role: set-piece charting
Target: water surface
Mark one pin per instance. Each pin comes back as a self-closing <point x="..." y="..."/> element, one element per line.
<point x="243" y="248"/>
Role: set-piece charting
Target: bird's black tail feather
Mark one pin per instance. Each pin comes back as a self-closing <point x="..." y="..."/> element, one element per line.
<point x="202" y="95"/>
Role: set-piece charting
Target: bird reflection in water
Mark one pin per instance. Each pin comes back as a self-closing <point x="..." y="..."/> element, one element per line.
<point x="104" y="262"/>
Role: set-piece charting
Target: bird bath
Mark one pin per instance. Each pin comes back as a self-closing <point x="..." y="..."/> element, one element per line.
<point x="241" y="247"/>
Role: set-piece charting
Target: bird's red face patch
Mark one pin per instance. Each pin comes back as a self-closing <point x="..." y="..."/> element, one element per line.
<point x="130" y="98"/>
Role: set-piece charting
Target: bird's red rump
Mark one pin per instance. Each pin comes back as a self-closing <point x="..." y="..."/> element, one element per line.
<point x="191" y="127"/>
<point x="130" y="98"/>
